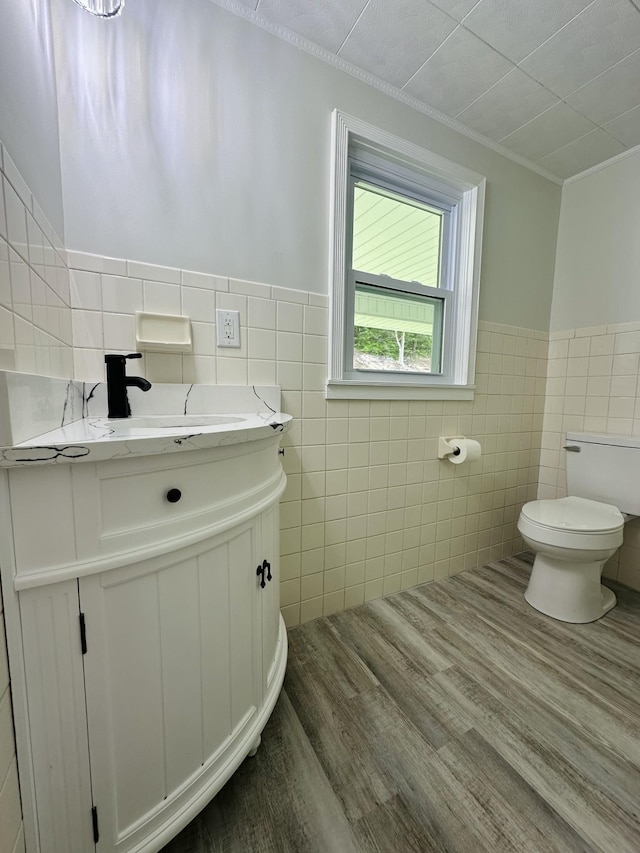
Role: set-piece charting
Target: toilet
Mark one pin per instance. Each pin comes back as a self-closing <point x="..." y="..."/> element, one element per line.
<point x="573" y="537"/>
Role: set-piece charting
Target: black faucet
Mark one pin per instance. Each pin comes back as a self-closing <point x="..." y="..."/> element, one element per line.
<point x="117" y="382"/>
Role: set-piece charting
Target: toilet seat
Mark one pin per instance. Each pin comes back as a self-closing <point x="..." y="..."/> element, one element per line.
<point x="572" y="514"/>
<point x="572" y="523"/>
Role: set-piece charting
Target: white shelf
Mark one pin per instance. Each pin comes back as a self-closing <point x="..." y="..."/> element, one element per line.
<point x="163" y="332"/>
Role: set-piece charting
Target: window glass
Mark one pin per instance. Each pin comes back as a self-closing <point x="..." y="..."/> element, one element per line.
<point x="395" y="331"/>
<point x="395" y="236"/>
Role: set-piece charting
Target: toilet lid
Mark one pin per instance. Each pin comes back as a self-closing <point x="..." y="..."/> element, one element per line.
<point x="576" y="514"/>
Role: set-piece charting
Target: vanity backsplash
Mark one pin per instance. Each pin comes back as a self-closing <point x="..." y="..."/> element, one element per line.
<point x="32" y="405"/>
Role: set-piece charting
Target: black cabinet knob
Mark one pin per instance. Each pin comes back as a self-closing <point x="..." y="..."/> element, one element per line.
<point x="174" y="495"/>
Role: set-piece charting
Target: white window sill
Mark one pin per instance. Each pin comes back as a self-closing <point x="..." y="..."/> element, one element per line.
<point x="338" y="389"/>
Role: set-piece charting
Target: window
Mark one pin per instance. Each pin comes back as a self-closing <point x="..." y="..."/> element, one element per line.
<point x="405" y="259"/>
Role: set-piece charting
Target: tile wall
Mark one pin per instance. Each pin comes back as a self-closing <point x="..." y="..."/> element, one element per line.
<point x="592" y="386"/>
<point x="35" y="337"/>
<point x="35" y="309"/>
<point x="368" y="509"/>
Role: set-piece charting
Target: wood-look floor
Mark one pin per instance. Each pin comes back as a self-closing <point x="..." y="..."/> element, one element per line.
<point x="451" y="718"/>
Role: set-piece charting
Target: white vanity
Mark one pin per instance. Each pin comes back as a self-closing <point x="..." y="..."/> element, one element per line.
<point x="140" y="576"/>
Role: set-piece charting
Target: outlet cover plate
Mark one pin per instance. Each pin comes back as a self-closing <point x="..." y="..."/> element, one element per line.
<point x="227" y="328"/>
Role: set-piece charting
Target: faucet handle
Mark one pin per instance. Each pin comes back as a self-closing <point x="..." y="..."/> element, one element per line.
<point x="119" y="357"/>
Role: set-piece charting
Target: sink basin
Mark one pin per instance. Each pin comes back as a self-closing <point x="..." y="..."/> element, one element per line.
<point x="145" y="422"/>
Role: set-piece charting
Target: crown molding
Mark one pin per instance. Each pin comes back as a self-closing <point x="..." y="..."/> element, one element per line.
<point x="321" y="53"/>
<point x="630" y="152"/>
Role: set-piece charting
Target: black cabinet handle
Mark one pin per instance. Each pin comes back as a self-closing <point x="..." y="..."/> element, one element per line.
<point x="260" y="572"/>
<point x="174" y="495"/>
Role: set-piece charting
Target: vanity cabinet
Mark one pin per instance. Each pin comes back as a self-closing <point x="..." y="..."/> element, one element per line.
<point x="152" y="643"/>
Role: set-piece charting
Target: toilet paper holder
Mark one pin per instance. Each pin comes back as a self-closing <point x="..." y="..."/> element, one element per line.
<point x="447" y="446"/>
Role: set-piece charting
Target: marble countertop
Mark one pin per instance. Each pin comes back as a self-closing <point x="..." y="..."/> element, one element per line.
<point x="92" y="439"/>
<point x="47" y="421"/>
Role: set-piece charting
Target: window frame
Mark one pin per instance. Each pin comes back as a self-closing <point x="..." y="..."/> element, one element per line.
<point x="361" y="151"/>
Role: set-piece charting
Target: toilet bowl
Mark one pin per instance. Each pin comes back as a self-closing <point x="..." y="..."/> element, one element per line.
<point x="572" y="539"/>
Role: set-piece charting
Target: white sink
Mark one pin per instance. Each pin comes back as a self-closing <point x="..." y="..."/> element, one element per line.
<point x="146" y="422"/>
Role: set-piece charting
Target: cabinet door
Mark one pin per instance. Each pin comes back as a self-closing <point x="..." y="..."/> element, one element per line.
<point x="171" y="678"/>
<point x="270" y="595"/>
<point x="58" y="728"/>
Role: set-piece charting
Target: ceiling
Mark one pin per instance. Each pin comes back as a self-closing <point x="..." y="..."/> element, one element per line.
<point x="556" y="82"/>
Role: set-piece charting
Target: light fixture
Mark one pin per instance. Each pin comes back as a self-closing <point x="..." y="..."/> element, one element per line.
<point x="102" y="8"/>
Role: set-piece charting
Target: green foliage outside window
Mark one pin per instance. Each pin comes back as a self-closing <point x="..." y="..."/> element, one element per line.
<point x="386" y="342"/>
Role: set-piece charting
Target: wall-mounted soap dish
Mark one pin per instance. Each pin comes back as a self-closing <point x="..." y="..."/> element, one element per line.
<point x="163" y="332"/>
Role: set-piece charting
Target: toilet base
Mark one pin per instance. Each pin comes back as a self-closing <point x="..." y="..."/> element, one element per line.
<point x="568" y="591"/>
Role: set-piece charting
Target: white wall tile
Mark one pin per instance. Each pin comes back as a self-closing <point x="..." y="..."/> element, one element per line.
<point x="86" y="290"/>
<point x="315" y="320"/>
<point x="204" y="338"/>
<point x="261" y="372"/>
<point x="315" y="349"/>
<point x="161" y="298"/>
<point x="121" y="295"/>
<point x="261" y="313"/>
<point x="233" y="302"/>
<point x="283" y="294"/>
<point x="199" y="304"/>
<point x="204" y="281"/>
<point x="16" y="221"/>
<point x="289" y="317"/>
<point x="36" y="241"/>
<point x="289" y="375"/>
<point x="262" y="344"/>
<point x="249" y="288"/>
<point x="625" y="363"/>
<point x="289" y="346"/>
<point x="7" y="337"/>
<point x="200" y="369"/>
<point x="119" y="332"/>
<point x="88" y="365"/>
<point x="163" y="367"/>
<point x="17" y="181"/>
<point x="153" y="272"/>
<point x="231" y="371"/>
<point x="87" y="329"/>
<point x="34" y="285"/>
<point x="609" y="402"/>
<point x="627" y="342"/>
<point x="96" y="263"/>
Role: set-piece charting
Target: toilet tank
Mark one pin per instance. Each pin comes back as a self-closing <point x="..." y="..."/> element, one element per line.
<point x="604" y="468"/>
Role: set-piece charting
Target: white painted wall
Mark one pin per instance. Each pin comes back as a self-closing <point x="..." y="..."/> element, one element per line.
<point x="193" y="139"/>
<point x="28" y="109"/>
<point x="598" y="258"/>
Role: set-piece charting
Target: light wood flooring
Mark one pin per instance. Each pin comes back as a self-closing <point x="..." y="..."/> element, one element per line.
<point x="451" y="717"/>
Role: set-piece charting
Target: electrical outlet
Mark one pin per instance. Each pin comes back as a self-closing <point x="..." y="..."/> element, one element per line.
<point x="228" y="328"/>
